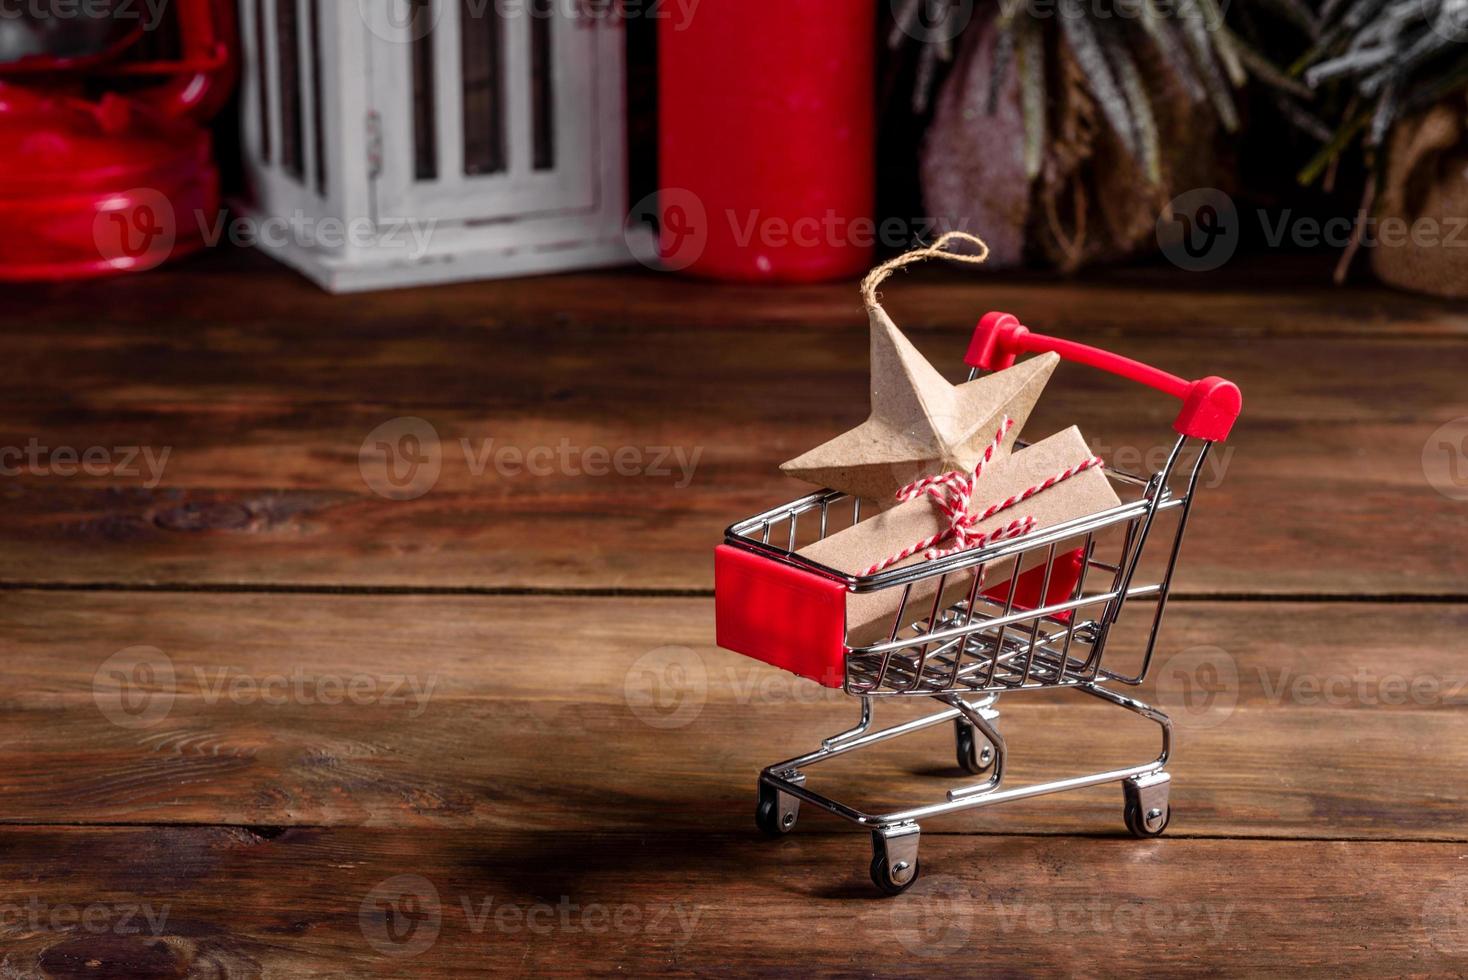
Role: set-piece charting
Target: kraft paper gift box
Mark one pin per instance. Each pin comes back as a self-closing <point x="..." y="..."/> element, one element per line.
<point x="869" y="616"/>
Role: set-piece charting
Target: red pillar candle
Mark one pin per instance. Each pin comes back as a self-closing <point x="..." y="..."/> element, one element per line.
<point x="767" y="139"/>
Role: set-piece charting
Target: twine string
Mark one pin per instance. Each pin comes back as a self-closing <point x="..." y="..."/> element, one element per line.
<point x="952" y="493"/>
<point x="937" y="250"/>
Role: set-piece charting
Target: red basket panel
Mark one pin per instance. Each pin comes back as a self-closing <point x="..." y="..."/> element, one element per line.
<point x="796" y="620"/>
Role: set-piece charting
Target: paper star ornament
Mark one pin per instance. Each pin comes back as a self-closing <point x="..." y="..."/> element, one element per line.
<point x="920" y="424"/>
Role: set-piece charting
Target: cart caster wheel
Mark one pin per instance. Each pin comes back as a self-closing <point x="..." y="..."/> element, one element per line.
<point x="777" y="812"/>
<point x="894" y="861"/>
<point x="1147" y="810"/>
<point x="884" y="877"/>
<point x="1152" y="824"/>
<point x="975" y="754"/>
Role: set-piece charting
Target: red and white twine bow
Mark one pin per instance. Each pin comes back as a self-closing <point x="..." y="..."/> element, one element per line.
<point x="953" y="492"/>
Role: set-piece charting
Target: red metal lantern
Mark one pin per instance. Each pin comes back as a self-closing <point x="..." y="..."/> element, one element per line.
<point x="121" y="183"/>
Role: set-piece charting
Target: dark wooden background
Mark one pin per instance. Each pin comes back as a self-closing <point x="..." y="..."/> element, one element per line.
<point x="577" y="789"/>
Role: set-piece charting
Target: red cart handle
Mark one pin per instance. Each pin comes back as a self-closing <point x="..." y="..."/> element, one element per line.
<point x="1210" y="405"/>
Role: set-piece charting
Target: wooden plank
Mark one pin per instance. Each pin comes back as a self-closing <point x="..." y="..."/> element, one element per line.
<point x="588" y="763"/>
<point x="267" y="429"/>
<point x="578" y="714"/>
<point x="513" y="647"/>
<point x="526" y="765"/>
<point x="1248" y="298"/>
<point x="319" y="903"/>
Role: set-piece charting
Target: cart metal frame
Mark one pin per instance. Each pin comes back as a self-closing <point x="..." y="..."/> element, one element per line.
<point x="966" y="654"/>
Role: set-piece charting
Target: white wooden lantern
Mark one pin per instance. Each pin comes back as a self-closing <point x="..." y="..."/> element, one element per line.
<point x="404" y="142"/>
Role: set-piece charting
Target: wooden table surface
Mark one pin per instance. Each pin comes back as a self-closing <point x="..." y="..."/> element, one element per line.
<point x="262" y="719"/>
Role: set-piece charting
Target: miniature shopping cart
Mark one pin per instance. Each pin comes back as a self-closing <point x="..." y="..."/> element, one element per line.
<point x="1044" y="627"/>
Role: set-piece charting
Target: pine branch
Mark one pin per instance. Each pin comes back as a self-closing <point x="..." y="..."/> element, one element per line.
<point x="1261" y="68"/>
<point x="1144" y="124"/>
<point x="1080" y="35"/>
<point x="1195" y="37"/>
<point x="1173" y="52"/>
<point x="1031" y="62"/>
<point x="1003" y="59"/>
